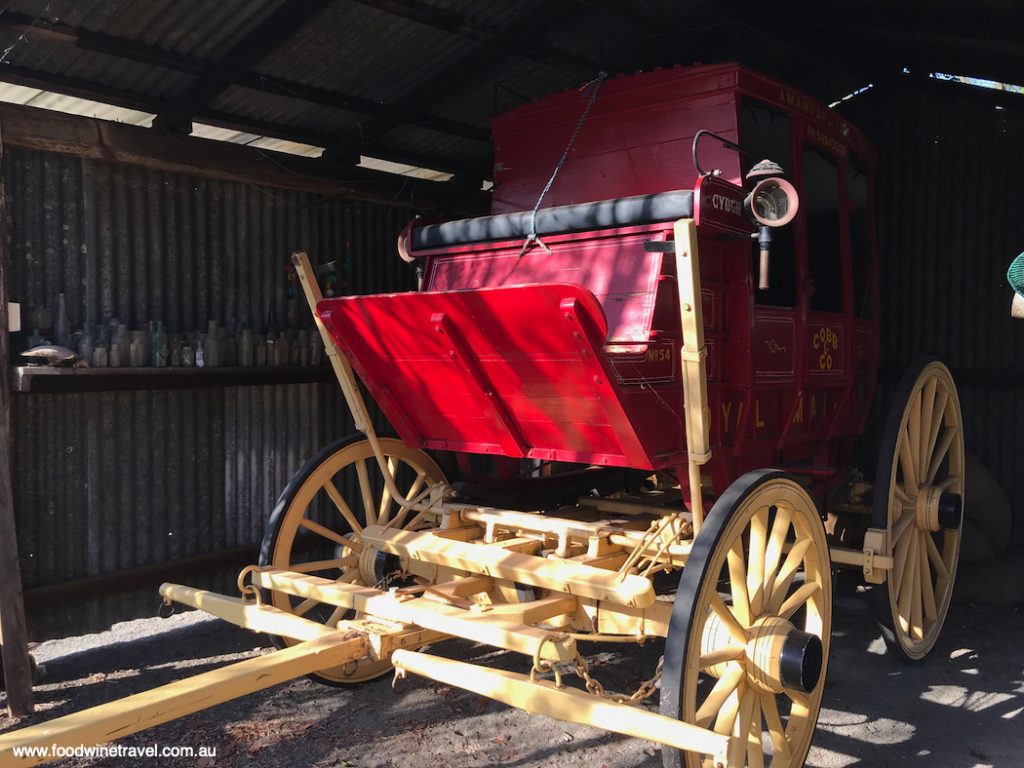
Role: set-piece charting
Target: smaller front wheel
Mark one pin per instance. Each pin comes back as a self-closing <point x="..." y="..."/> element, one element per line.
<point x="316" y="525"/>
<point x="748" y="641"/>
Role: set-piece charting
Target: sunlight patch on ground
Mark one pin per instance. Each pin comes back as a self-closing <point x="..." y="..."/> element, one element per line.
<point x="820" y="757"/>
<point x="963" y="698"/>
<point x="877" y="647"/>
<point x="864" y="728"/>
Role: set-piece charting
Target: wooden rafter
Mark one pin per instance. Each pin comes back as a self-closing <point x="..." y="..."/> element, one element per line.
<point x="86" y="89"/>
<point x="458" y="24"/>
<point x="276" y="29"/>
<point x="460" y="74"/>
<point x="109" y="45"/>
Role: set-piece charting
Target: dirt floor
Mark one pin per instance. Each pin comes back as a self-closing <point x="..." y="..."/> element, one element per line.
<point x="962" y="708"/>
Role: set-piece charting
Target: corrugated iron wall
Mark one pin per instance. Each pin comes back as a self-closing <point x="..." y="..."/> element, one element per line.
<point x="951" y="218"/>
<point x="110" y="481"/>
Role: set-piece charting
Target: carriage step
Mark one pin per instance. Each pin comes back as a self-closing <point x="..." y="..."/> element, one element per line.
<point x="559" y="575"/>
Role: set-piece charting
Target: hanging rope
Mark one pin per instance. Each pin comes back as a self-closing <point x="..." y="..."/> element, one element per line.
<point x="532" y="238"/>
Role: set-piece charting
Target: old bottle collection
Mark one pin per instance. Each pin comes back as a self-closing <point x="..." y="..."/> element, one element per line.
<point x="114" y="345"/>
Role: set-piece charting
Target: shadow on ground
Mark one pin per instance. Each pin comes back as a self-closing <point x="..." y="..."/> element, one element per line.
<point x="961" y="708"/>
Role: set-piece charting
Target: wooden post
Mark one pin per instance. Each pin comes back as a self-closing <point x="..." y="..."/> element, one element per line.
<point x="17" y="666"/>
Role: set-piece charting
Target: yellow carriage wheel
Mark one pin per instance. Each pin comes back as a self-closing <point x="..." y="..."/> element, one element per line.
<point x="315" y="528"/>
<point x="918" y="501"/>
<point x="748" y="642"/>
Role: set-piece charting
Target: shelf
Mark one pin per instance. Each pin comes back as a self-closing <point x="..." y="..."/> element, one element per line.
<point x="47" y="379"/>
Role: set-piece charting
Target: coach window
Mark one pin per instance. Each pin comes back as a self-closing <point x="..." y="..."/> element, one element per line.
<point x="860" y="236"/>
<point x="820" y="201"/>
<point x="766" y="135"/>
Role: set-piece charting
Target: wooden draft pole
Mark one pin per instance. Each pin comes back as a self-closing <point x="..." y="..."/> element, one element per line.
<point x="17" y="666"/>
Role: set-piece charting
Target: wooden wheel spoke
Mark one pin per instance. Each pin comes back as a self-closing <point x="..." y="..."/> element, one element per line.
<point x="324" y="565"/>
<point x="927" y="405"/>
<point x="798" y="598"/>
<point x="327" y="533"/>
<point x="736" y="630"/>
<point x="902" y="548"/>
<point x="773" y="553"/>
<point x="384" y="508"/>
<point x="755" y="750"/>
<point x="907" y="587"/>
<point x="908" y="463"/>
<point x="916" y="599"/>
<point x="948" y="435"/>
<point x="938" y="414"/>
<point x="367" y="492"/>
<point x="904" y="524"/>
<point x="399" y="520"/>
<point x="770" y="708"/>
<point x="794" y="559"/>
<point x="737" y="584"/>
<point x="728" y="711"/>
<point x="304" y="607"/>
<point x="343" y="507"/>
<point x="900" y="493"/>
<point x="914" y="433"/>
<point x="741" y="728"/>
<point x="336" y="615"/>
<point x="417" y="485"/>
<point x="722" y="690"/>
<point x="721" y="655"/>
<point x="349" y="575"/>
<point x="755" y="562"/>
<point x="931" y="613"/>
<point x="936" y="559"/>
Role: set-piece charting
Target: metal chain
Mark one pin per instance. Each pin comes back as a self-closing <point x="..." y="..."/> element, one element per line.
<point x="594" y="686"/>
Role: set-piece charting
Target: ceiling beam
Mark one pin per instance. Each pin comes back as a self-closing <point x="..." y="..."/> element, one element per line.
<point x="458" y="24"/>
<point x="97" y="42"/>
<point x="836" y="48"/>
<point x="48" y="131"/>
<point x="273" y="31"/>
<point x="459" y="74"/>
<point x="85" y="89"/>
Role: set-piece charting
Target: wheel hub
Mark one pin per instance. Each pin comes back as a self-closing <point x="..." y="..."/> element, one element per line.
<point x="777" y="655"/>
<point x="780" y="656"/>
<point x="936" y="508"/>
<point x="375" y="566"/>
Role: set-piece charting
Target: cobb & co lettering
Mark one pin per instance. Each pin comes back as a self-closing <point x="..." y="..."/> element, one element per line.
<point x="825" y="341"/>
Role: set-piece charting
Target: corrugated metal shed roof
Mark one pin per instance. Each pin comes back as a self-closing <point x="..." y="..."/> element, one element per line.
<point x="420" y="79"/>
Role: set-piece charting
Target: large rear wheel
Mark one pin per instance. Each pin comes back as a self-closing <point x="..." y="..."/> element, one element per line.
<point x="316" y="525"/>
<point x="748" y="641"/>
<point x="918" y="501"/>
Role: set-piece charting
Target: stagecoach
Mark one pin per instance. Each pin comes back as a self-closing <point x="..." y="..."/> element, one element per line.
<point x="624" y="407"/>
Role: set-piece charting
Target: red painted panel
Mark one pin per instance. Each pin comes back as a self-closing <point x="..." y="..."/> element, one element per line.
<point x="518" y="371"/>
<point x="636" y="140"/>
<point x="773" y="344"/>
<point x="611" y="264"/>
